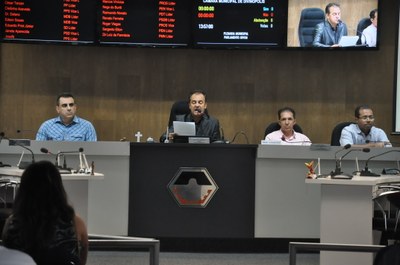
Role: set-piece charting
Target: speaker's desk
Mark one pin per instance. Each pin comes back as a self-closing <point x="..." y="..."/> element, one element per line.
<point x="76" y="187"/>
<point x="153" y="211"/>
<point x="346" y="215"/>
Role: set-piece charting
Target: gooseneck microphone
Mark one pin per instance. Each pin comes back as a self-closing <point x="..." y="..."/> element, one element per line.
<point x="366" y="172"/>
<point x="63" y="153"/>
<point x="338" y="169"/>
<point x="20" y="164"/>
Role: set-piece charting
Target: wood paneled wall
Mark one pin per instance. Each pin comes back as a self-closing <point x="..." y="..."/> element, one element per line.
<point x="124" y="89"/>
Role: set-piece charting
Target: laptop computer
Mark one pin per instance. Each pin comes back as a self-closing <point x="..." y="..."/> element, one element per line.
<point x="184" y="128"/>
<point x="348" y="41"/>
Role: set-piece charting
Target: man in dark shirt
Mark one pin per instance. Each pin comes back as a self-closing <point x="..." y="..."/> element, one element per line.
<point x="205" y="124"/>
<point x="329" y="32"/>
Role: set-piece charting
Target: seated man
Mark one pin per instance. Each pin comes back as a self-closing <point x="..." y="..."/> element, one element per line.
<point x="205" y="124"/>
<point x="286" y="134"/>
<point x="368" y="35"/>
<point x="363" y="133"/>
<point x="67" y="126"/>
<point x="329" y="32"/>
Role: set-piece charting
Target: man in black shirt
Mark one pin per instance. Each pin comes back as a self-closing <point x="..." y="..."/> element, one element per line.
<point x="205" y="124"/>
<point x="329" y="32"/>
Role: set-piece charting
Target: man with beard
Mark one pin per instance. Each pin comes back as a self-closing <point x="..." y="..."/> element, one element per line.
<point x="205" y="124"/>
<point x="363" y="133"/>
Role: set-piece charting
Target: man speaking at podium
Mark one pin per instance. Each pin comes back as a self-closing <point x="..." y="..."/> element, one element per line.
<point x="67" y="126"/>
<point x="205" y="124"/>
<point x="363" y="133"/>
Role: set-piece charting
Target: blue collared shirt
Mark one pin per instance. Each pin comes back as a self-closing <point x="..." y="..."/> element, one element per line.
<point x="352" y="134"/>
<point x="78" y="130"/>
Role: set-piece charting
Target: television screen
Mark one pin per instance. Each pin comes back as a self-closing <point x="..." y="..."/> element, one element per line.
<point x="71" y="21"/>
<point x="145" y="22"/>
<point x="352" y="19"/>
<point x="239" y="23"/>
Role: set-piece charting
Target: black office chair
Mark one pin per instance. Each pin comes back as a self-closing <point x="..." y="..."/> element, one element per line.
<point x="275" y="126"/>
<point x="387" y="219"/>
<point x="309" y="18"/>
<point x="362" y="24"/>
<point x="337" y="131"/>
<point x="178" y="108"/>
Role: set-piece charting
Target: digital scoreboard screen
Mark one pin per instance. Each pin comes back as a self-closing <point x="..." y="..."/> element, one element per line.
<point x="145" y="22"/>
<point x="52" y="20"/>
<point x="240" y="23"/>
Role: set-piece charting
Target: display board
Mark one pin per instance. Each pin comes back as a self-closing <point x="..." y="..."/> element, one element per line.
<point x="254" y="24"/>
<point x="145" y="22"/>
<point x="50" y="21"/>
<point x="240" y="23"/>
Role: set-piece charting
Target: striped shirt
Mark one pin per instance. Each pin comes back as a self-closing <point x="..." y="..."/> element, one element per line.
<point x="78" y="130"/>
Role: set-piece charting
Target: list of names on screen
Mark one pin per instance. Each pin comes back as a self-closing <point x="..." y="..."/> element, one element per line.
<point x="53" y="21"/>
<point x="145" y="22"/>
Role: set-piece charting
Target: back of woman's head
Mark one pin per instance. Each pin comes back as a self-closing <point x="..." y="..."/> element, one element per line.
<point x="41" y="193"/>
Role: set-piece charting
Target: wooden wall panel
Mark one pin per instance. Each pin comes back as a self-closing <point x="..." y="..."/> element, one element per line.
<point x="123" y="90"/>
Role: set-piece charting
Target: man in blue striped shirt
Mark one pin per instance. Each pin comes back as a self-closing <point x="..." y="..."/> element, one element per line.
<point x="67" y="126"/>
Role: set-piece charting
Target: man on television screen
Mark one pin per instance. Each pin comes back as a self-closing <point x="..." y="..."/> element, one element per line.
<point x="329" y="32"/>
<point x="368" y="35"/>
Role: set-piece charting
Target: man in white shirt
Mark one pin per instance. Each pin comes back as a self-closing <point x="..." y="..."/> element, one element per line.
<point x="286" y="134"/>
<point x="368" y="35"/>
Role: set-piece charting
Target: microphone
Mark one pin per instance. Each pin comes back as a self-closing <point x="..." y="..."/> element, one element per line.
<point x="294" y="142"/>
<point x="338" y="170"/>
<point x="222" y="140"/>
<point x="45" y="151"/>
<point x="360" y="41"/>
<point x="240" y="133"/>
<point x="59" y="154"/>
<point x="366" y="172"/>
<point x="20" y="164"/>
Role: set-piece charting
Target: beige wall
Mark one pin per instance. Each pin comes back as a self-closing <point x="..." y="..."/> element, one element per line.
<point x="125" y="89"/>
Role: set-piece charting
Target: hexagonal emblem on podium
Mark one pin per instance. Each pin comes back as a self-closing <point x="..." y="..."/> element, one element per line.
<point x="192" y="187"/>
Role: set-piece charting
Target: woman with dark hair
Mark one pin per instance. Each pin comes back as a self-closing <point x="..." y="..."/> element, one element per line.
<point x="43" y="224"/>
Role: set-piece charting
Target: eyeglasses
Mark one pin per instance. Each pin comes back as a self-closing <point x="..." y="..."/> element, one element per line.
<point x="364" y="118"/>
<point x="66" y="105"/>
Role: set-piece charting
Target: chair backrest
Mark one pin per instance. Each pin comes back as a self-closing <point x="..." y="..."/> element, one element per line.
<point x="337" y="132"/>
<point x="275" y="126"/>
<point x="309" y="18"/>
<point x="178" y="108"/>
<point x="362" y="24"/>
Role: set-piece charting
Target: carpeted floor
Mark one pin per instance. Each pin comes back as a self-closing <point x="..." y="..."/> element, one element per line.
<point x="172" y="258"/>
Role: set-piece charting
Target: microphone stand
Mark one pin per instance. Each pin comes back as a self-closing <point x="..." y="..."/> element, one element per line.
<point x="366" y="172"/>
<point x="338" y="169"/>
<point x="21" y="165"/>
